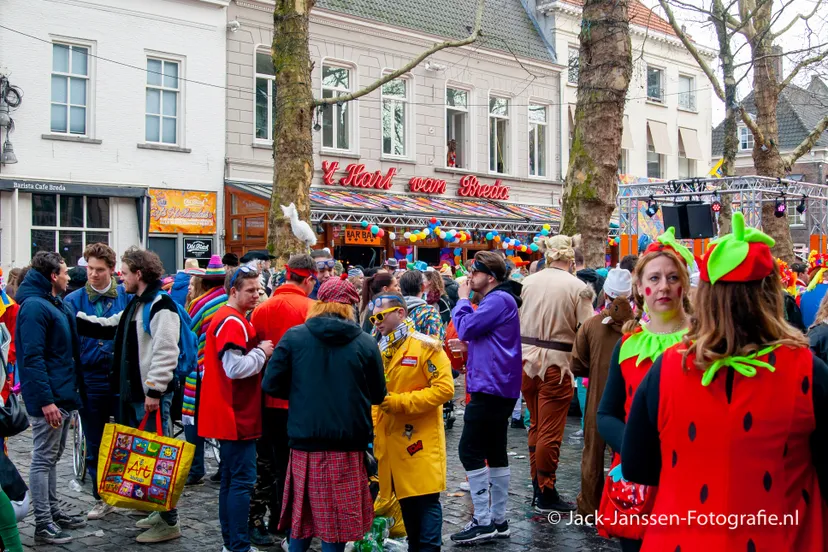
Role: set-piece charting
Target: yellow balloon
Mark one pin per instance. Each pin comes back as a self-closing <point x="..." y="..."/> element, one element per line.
<point x="547" y="227"/>
<point x="413" y="238"/>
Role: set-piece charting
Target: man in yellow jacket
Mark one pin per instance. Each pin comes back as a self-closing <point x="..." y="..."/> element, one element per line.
<point x="410" y="442"/>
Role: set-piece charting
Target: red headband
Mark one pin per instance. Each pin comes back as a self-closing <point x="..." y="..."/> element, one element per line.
<point x="303" y="272"/>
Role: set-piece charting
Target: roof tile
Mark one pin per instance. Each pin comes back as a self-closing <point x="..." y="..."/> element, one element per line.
<point x="641" y="15"/>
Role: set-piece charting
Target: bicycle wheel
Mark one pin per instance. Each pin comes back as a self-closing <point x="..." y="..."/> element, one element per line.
<point x="211" y="446"/>
<point x="78" y="448"/>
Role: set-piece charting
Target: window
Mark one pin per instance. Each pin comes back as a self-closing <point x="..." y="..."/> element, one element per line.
<point x="654" y="163"/>
<point x="537" y="140"/>
<point x="336" y="119"/>
<point x="162" y="101"/>
<point x="745" y="139"/>
<point x="457" y="128"/>
<point x="687" y="167"/>
<point x="70" y="88"/>
<point x="655" y="84"/>
<point x="794" y="218"/>
<point x="687" y="93"/>
<point x="623" y="162"/>
<point x="265" y="83"/>
<point x="67" y="224"/>
<point x="572" y="73"/>
<point x="395" y="117"/>
<point x="498" y="134"/>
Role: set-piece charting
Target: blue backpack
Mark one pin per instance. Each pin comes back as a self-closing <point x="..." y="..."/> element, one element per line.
<point x="187" y="340"/>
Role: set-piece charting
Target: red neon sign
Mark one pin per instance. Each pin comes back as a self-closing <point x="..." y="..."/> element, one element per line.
<point x="427" y="185"/>
<point x="357" y="177"/>
<point x="471" y="187"/>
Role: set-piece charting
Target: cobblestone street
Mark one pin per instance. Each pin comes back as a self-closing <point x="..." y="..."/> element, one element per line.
<point x="198" y="506"/>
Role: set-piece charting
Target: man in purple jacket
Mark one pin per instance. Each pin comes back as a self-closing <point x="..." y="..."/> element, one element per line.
<point x="493" y="377"/>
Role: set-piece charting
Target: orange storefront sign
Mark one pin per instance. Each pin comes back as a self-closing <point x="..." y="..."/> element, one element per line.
<point x="361" y="236"/>
<point x="173" y="211"/>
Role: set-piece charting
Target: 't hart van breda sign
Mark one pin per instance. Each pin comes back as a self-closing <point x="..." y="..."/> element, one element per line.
<point x="356" y="176"/>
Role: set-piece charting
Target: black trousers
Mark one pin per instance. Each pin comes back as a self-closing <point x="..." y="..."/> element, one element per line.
<point x="486" y="422"/>
<point x="272" y="455"/>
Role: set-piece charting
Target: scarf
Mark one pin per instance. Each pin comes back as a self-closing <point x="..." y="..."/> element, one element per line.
<point x="94" y="295"/>
<point x="390" y="343"/>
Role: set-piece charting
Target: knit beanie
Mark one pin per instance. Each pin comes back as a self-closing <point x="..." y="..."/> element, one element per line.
<point x="618" y="283"/>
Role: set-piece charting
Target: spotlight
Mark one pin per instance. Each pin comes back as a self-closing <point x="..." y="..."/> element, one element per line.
<point x="801" y="207"/>
<point x="652" y="207"/>
<point x="716" y="206"/>
<point x="780" y="207"/>
<point x="317" y="127"/>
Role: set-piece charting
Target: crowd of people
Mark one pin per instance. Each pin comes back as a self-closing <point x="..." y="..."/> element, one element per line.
<point x="317" y="378"/>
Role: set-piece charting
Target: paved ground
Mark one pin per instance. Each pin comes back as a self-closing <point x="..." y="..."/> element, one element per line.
<point x="199" y="506"/>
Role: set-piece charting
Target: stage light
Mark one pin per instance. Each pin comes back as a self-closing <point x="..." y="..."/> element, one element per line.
<point x="801" y="207"/>
<point x="652" y="207"/>
<point x="716" y="206"/>
<point x="780" y="207"/>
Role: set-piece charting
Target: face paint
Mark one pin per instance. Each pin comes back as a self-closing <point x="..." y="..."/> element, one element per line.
<point x="648" y="292"/>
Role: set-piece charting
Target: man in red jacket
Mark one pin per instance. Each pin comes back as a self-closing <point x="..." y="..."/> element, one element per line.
<point x="286" y="308"/>
<point x="230" y="405"/>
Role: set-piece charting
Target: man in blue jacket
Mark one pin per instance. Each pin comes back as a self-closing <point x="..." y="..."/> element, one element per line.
<point x="102" y="296"/>
<point x="47" y="353"/>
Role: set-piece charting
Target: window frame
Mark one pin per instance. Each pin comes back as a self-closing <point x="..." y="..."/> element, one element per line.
<point x="271" y="91"/>
<point x="408" y="145"/>
<point x="353" y="126"/>
<point x="545" y="152"/>
<point x="90" y="76"/>
<point x="651" y="149"/>
<point x="84" y="230"/>
<point x="469" y="142"/>
<point x="179" y="103"/>
<point x="573" y="65"/>
<point x="682" y="156"/>
<point x="624" y="161"/>
<point x="660" y="99"/>
<point x="795" y="220"/>
<point x="749" y="139"/>
<point x="691" y="94"/>
<point x="507" y="150"/>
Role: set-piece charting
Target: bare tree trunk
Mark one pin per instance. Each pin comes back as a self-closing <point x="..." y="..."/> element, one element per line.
<point x="731" y="129"/>
<point x="292" y="138"/>
<point x="605" y="69"/>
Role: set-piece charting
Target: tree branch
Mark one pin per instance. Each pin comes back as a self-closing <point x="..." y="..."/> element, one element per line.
<point x="717" y="87"/>
<point x="798" y="16"/>
<point x="806" y="144"/>
<point x="475" y="34"/>
<point x="758" y="137"/>
<point x="747" y="9"/>
<point x="801" y="65"/>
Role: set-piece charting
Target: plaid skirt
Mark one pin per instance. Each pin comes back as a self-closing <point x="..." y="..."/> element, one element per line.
<point x="327" y="496"/>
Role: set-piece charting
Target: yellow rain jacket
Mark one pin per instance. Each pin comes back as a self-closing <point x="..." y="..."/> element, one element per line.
<point x="410" y="442"/>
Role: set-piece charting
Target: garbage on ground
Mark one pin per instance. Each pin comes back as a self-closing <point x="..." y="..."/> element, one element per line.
<point x="377" y="539"/>
<point x="75" y="486"/>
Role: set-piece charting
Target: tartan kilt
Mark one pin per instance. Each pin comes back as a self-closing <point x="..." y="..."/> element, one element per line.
<point x="327" y="496"/>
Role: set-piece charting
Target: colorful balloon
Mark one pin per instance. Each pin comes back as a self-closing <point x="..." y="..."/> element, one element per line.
<point x="392" y="235"/>
<point x="364" y="223"/>
<point x="407" y="235"/>
<point x="375" y="230"/>
<point x="381" y="232"/>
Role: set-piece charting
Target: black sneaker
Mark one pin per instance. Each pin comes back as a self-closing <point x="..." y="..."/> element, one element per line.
<point x="259" y="536"/>
<point x="69" y="522"/>
<point x="474" y="532"/>
<point x="51" y="533"/>
<point x="193" y="481"/>
<point x="551" y="501"/>
<point x="216" y="477"/>
<point x="502" y="529"/>
<point x="517" y="423"/>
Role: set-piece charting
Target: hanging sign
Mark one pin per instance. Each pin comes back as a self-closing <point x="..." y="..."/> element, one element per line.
<point x="471" y="187"/>
<point x="357" y="177"/>
<point x="361" y="236"/>
<point x="173" y="211"/>
<point x="198" y="248"/>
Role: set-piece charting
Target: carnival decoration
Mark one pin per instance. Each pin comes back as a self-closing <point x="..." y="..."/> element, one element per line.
<point x="788" y="277"/>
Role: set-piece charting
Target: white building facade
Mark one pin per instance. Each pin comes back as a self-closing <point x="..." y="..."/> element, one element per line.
<point x="667" y="120"/>
<point x="120" y="133"/>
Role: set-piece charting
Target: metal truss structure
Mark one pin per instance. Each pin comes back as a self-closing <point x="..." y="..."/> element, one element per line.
<point x="748" y="193"/>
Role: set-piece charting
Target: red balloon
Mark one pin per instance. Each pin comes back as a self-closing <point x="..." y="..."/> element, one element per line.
<point x="433" y="220"/>
<point x="381" y="232"/>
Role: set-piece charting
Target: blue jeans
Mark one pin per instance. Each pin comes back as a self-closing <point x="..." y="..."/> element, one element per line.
<point x="238" y="475"/>
<point x="191" y="435"/>
<point x="135" y="414"/>
<point x="302" y="545"/>
<point x="48" y="444"/>
<point x="97" y="407"/>
<point x="423" y="519"/>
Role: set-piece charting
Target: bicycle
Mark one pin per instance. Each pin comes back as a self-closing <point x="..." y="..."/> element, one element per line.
<point x="78" y="447"/>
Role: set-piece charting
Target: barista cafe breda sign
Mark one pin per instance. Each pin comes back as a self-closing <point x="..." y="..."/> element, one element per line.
<point x="356" y="176"/>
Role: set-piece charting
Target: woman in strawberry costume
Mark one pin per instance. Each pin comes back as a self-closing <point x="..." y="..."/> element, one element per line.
<point x="732" y="423"/>
<point x="660" y="282"/>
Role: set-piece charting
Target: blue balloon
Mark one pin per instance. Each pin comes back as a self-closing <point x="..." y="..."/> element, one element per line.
<point x="534" y="247"/>
<point x="545" y="232"/>
<point x="494" y="232"/>
<point x="489" y="236"/>
<point x="364" y="223"/>
<point x="458" y="251"/>
<point x="375" y="230"/>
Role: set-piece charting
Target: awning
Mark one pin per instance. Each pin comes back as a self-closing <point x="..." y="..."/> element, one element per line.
<point x="626" y="136"/>
<point x="690" y="140"/>
<point x="659" y="138"/>
<point x="71" y="188"/>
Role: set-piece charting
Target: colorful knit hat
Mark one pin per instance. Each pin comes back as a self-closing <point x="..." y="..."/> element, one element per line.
<point x="338" y="290"/>
<point x="742" y="256"/>
<point x="668" y="241"/>
<point x="215" y="269"/>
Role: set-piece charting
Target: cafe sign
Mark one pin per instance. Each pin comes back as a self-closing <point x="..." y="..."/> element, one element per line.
<point x="361" y="236"/>
<point x="188" y="212"/>
<point x="198" y="248"/>
<point x="357" y="177"/>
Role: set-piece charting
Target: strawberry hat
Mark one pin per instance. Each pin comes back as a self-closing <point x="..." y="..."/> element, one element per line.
<point x="742" y="256"/>
<point x="668" y="241"/>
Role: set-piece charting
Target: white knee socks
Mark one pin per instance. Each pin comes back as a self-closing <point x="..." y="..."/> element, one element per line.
<point x="500" y="492"/>
<point x="479" y="488"/>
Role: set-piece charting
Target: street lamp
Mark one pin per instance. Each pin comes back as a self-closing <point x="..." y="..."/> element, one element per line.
<point x="10" y="97"/>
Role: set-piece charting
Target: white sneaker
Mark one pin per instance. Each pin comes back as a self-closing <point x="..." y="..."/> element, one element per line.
<point x="100" y="510"/>
<point x="285" y="546"/>
<point x="464" y="486"/>
<point x="251" y="549"/>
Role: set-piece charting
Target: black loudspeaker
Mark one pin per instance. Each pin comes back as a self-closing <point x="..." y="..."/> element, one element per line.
<point x="691" y="220"/>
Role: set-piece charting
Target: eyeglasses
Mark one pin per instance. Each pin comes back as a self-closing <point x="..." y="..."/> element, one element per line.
<point x="380" y="316"/>
<point x="244" y="269"/>
<point x="322" y="265"/>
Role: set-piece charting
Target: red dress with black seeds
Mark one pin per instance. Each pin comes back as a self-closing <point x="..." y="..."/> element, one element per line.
<point x="623" y="500"/>
<point x="745" y="456"/>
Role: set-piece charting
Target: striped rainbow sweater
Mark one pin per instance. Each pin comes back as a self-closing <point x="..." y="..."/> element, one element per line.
<point x="201" y="312"/>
